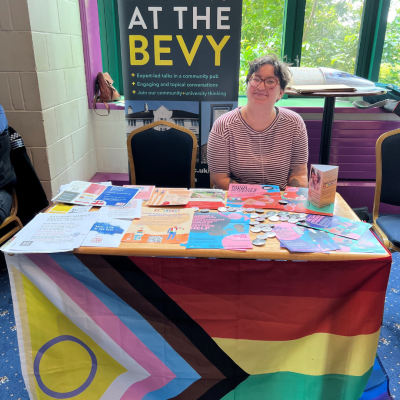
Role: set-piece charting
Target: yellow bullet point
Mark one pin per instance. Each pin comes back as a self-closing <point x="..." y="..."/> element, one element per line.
<point x="134" y="91"/>
<point x="133" y="83"/>
<point x="133" y="74"/>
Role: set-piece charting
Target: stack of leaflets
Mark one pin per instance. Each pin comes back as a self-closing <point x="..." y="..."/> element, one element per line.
<point x="229" y="231"/>
<point x="52" y="233"/>
<point x="210" y="199"/>
<point x="257" y="196"/>
<point x="169" y="197"/>
<point x="340" y="226"/>
<point x="299" y="239"/>
<point x="368" y="243"/>
<point x="94" y="194"/>
<point x="297" y="201"/>
<point x="160" y="225"/>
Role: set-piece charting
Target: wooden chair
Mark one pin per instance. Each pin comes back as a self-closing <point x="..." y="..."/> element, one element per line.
<point x="12" y="219"/>
<point x="164" y="158"/>
<point x="387" y="189"/>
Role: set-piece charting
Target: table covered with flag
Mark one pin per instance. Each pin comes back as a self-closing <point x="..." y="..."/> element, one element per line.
<point x="112" y="327"/>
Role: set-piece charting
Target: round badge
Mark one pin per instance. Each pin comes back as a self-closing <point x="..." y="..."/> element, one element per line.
<point x="231" y="209"/>
<point x="283" y="202"/>
<point x="293" y="220"/>
<point x="240" y="209"/>
<point x="303" y="215"/>
<point x="195" y="208"/>
<point x="253" y="223"/>
<point x="294" y="216"/>
<point x="274" y="218"/>
<point x="260" y="219"/>
<point x="280" y="213"/>
<point x="249" y="210"/>
<point x="253" y="215"/>
<point x="256" y="229"/>
<point x="284" y="218"/>
<point x="259" y="211"/>
<point x="259" y="242"/>
<point x="269" y="225"/>
<point x="205" y="210"/>
<point x="265" y="230"/>
<point x="270" y="213"/>
<point x="222" y="209"/>
<point x="271" y="234"/>
<point x="264" y="237"/>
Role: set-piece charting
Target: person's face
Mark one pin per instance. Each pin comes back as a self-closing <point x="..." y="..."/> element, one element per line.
<point x="314" y="177"/>
<point x="260" y="94"/>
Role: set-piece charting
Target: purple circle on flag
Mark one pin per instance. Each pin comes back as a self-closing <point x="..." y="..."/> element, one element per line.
<point x="80" y="389"/>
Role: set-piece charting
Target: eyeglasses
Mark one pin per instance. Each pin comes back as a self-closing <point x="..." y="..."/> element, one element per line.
<point x="269" y="83"/>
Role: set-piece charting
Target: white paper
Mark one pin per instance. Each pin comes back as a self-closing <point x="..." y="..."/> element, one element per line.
<point x="51" y="233"/>
<point x="106" y="232"/>
<point x="131" y="211"/>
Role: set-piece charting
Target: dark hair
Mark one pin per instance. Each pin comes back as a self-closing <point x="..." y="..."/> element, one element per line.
<point x="315" y="173"/>
<point x="281" y="70"/>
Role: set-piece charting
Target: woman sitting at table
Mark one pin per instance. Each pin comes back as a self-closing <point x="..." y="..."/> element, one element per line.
<point x="260" y="143"/>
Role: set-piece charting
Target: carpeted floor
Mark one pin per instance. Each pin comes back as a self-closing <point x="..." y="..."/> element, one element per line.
<point x="12" y="385"/>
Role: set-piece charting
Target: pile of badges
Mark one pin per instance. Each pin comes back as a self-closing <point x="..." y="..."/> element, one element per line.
<point x="264" y="223"/>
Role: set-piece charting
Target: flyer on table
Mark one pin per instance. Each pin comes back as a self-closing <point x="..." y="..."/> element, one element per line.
<point x="219" y="231"/>
<point x="94" y="194"/>
<point x="258" y="196"/>
<point x="297" y="198"/>
<point x="48" y="233"/>
<point x="160" y="225"/>
<point x="106" y="232"/>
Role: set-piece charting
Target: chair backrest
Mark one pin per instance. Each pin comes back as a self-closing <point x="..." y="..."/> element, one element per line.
<point x="387" y="188"/>
<point x="164" y="158"/>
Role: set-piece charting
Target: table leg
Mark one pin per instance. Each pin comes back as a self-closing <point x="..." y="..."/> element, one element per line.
<point x="326" y="132"/>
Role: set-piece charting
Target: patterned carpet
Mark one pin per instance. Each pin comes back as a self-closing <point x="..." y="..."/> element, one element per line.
<point x="12" y="385"/>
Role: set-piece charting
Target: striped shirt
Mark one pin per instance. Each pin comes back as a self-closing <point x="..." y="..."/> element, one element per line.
<point x="253" y="157"/>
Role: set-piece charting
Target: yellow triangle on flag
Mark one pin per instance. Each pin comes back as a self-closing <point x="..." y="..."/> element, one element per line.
<point x="66" y="365"/>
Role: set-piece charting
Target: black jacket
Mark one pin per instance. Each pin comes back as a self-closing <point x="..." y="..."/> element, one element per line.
<point x="30" y="194"/>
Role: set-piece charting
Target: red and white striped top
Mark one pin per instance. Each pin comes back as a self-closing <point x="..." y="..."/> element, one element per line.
<point x="253" y="157"/>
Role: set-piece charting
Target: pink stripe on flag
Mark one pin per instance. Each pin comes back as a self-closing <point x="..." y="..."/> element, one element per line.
<point x="110" y="324"/>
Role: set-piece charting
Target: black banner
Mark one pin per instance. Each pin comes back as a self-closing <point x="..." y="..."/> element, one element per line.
<point x="180" y="60"/>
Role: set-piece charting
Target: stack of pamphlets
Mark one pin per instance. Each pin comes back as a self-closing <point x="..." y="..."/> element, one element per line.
<point x="94" y="194"/>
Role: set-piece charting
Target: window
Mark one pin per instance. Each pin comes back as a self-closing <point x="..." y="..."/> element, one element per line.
<point x="330" y="35"/>
<point x="194" y="122"/>
<point x="131" y="122"/>
<point x="262" y="25"/>
<point x="348" y="35"/>
<point x="147" y="121"/>
<point x="179" y="122"/>
<point x="390" y="65"/>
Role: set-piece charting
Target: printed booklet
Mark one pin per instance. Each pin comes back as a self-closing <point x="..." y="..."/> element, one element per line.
<point x="254" y="196"/>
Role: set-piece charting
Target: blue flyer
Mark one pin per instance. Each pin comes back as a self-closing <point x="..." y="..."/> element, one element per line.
<point x="115" y="196"/>
<point x="219" y="231"/>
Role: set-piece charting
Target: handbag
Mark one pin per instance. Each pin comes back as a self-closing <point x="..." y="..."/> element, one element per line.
<point x="105" y="92"/>
<point x="390" y="101"/>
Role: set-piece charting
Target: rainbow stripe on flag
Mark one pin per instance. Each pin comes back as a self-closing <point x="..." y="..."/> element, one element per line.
<point x="113" y="327"/>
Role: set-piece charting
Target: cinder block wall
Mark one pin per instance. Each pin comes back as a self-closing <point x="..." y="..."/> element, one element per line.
<point x="43" y="88"/>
